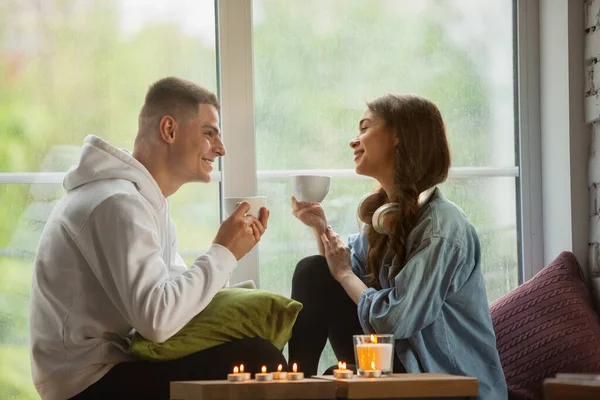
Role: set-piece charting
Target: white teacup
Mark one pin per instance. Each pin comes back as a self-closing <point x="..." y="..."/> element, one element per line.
<point x="311" y="188"/>
<point x="256" y="203"/>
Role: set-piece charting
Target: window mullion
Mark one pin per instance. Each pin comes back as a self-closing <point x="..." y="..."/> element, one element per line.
<point x="237" y="111"/>
<point x="530" y="165"/>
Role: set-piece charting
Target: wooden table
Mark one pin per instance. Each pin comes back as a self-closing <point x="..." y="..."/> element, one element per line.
<point x="407" y="386"/>
<point x="397" y="386"/>
<point x="253" y="390"/>
<point x="556" y="388"/>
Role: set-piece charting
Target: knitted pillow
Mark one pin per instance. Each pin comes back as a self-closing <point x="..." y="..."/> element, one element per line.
<point x="545" y="326"/>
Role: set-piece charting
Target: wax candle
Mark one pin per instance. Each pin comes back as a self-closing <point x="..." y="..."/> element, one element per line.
<point x="374" y="352"/>
<point x="280" y="375"/>
<point x="295" y="375"/>
<point x="372" y="373"/>
<point x="236" y="376"/>
<point x="247" y="376"/>
<point x="263" y="375"/>
<point x="341" y="372"/>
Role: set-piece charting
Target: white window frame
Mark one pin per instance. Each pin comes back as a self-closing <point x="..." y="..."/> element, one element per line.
<point x="239" y="175"/>
<point x="530" y="162"/>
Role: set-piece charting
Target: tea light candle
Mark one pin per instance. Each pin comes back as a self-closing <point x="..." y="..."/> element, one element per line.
<point x="342" y="372"/>
<point x="236" y="376"/>
<point x="264" y="376"/>
<point x="247" y="376"/>
<point x="295" y="375"/>
<point x="372" y="373"/>
<point x="280" y="375"/>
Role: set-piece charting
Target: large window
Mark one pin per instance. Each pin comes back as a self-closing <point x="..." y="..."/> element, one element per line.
<point x="69" y="68"/>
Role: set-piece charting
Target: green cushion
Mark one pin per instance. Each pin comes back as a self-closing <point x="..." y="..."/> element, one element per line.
<point x="232" y="314"/>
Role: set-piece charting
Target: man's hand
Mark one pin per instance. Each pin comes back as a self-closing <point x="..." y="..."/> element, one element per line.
<point x="240" y="232"/>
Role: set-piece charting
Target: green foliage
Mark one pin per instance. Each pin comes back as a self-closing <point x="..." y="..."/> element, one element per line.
<point x="14" y="304"/>
<point x="15" y="373"/>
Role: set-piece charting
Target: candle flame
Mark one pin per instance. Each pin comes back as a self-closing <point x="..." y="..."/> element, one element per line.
<point x="295" y="367"/>
<point x="263" y="369"/>
<point x="235" y="370"/>
<point x="279" y="368"/>
<point x="373" y="365"/>
<point x="340" y="365"/>
<point x="343" y="365"/>
<point x="241" y="367"/>
<point x="373" y="339"/>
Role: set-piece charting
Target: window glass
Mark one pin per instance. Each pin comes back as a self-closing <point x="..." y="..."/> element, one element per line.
<point x="70" y="68"/>
<point x="317" y="62"/>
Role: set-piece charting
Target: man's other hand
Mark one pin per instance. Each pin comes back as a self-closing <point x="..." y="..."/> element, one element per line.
<point x="240" y="232"/>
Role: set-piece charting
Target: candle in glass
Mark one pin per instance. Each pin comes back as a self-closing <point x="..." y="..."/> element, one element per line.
<point x="295" y="375"/>
<point x="236" y="376"/>
<point x="378" y="349"/>
<point x="279" y="375"/>
<point x="341" y="372"/>
<point x="263" y="375"/>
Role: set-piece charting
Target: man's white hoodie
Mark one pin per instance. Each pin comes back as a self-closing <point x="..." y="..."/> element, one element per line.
<point x="107" y="262"/>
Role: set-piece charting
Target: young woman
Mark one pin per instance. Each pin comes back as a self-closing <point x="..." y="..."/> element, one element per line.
<point x="414" y="270"/>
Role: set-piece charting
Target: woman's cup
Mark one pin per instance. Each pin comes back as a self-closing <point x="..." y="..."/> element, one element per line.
<point x="310" y="188"/>
<point x="374" y="354"/>
<point x="256" y="202"/>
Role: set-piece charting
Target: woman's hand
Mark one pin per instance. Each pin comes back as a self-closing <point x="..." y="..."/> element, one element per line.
<point x="311" y="214"/>
<point x="337" y="254"/>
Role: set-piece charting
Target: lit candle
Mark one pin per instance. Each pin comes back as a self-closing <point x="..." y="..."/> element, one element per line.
<point x="246" y="374"/>
<point x="375" y="352"/>
<point x="341" y="372"/>
<point x="372" y="373"/>
<point x="295" y="375"/>
<point x="280" y="375"/>
<point x="264" y="376"/>
<point x="236" y="376"/>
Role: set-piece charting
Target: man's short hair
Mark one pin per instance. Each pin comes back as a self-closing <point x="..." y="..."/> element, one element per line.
<point x="176" y="97"/>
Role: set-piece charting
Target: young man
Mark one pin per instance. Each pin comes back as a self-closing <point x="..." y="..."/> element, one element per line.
<point x="107" y="260"/>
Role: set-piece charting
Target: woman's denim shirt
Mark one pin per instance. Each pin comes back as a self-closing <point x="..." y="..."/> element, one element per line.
<point x="437" y="306"/>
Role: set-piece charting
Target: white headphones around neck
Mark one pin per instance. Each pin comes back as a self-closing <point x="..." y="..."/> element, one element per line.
<point x="388" y="209"/>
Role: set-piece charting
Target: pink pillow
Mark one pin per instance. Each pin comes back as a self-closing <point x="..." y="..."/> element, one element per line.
<point x="545" y="326"/>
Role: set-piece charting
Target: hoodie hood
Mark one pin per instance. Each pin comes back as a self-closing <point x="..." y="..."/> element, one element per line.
<point x="101" y="161"/>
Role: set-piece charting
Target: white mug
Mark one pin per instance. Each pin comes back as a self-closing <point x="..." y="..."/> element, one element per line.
<point x="256" y="202"/>
<point x="311" y="188"/>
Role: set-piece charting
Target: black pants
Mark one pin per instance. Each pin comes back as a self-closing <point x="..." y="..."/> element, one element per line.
<point x="328" y="313"/>
<point x="150" y="379"/>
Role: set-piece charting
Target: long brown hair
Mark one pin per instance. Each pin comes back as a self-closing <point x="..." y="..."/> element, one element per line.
<point x="422" y="160"/>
